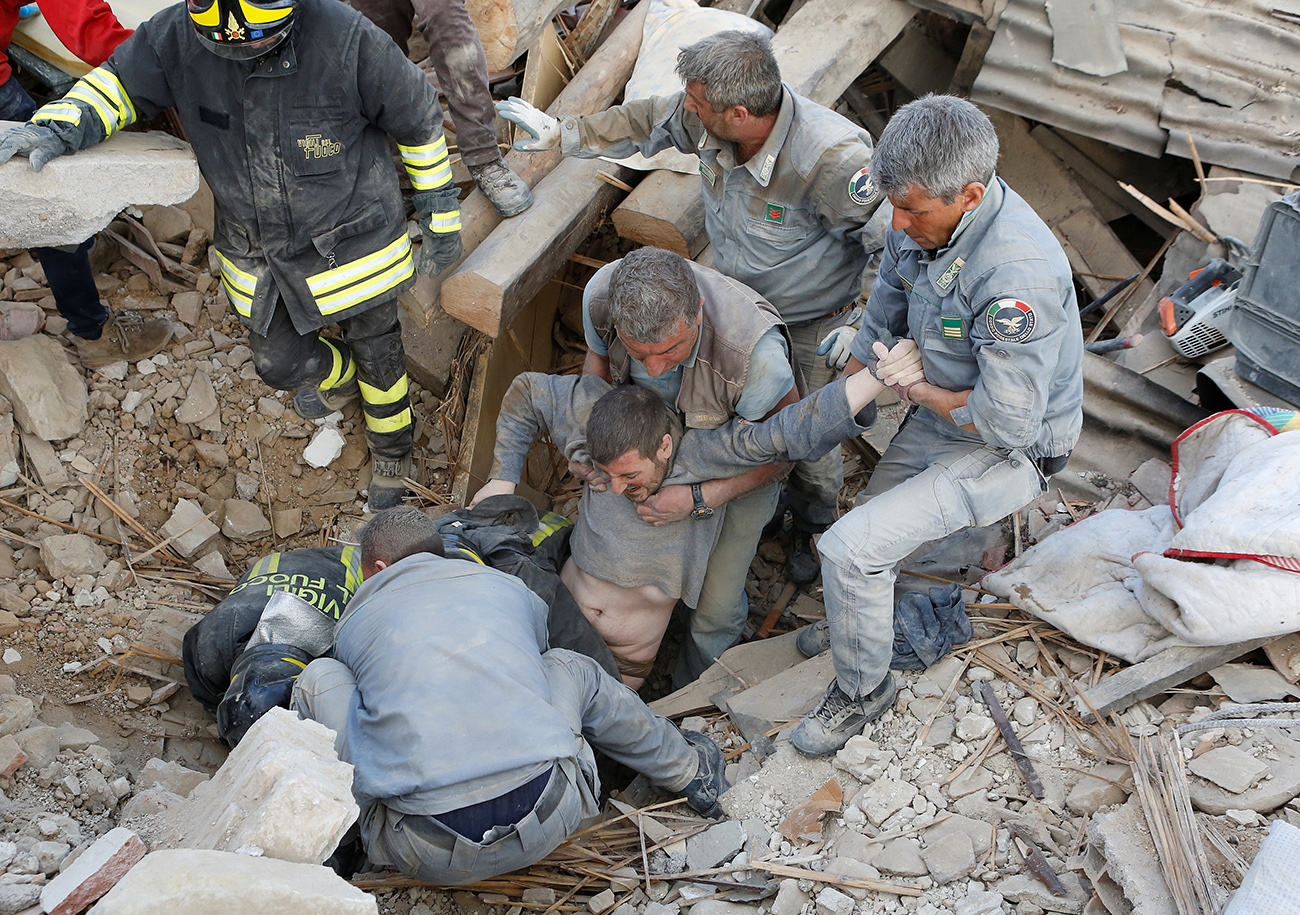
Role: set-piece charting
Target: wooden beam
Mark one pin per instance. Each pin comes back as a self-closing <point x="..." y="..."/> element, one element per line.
<point x="972" y="59"/>
<point x="521" y="256"/>
<point x="593" y="89"/>
<point x="1154" y="675"/>
<point x="821" y="50"/>
<point x="508" y="28"/>
<point x="582" y="40"/>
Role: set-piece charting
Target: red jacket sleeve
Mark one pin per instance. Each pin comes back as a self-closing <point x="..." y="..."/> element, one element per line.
<point x="87" y="27"/>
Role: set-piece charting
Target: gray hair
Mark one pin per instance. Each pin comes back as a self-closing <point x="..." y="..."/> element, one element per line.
<point x="396" y="533"/>
<point x="651" y="292"/>
<point x="938" y="144"/>
<point x="630" y="418"/>
<point x="737" y="67"/>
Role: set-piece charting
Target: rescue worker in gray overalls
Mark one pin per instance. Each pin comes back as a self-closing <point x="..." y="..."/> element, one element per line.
<point x="787" y="207"/>
<point x="287" y="103"/>
<point x="980" y="283"/>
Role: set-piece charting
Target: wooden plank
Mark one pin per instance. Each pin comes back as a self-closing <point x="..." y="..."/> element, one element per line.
<point x="1154" y="675"/>
<point x="527" y="347"/>
<point x="508" y="28"/>
<point x="972" y="59"/>
<point x="582" y="40"/>
<point x="740" y="667"/>
<point x="821" y="49"/>
<point x="509" y="268"/>
<point x="547" y="73"/>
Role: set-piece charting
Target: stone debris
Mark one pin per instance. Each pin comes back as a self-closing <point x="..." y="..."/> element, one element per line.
<point x="170" y="776"/>
<point x="200" y="406"/>
<point x="715" y="845"/>
<point x="283" y="789"/>
<point x="325" y="447"/>
<point x="48" y="396"/>
<point x="244" y="521"/>
<point x="72" y="555"/>
<point x="8" y="452"/>
<point x="191" y="530"/>
<point x="205" y="882"/>
<point x="96" y="871"/>
<point x="51" y="207"/>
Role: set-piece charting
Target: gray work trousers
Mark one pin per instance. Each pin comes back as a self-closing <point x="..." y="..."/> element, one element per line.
<point x="603" y="714"/>
<point x="718" y="619"/>
<point x="925" y="487"/>
<point x="457" y="56"/>
<point x="813" y="489"/>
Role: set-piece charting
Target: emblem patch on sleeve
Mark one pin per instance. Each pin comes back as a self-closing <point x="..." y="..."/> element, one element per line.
<point x="862" y="190"/>
<point x="1010" y="321"/>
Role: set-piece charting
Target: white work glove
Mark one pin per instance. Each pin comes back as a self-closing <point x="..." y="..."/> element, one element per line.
<point x="835" y="346"/>
<point x="544" y="129"/>
<point x="899" y="367"/>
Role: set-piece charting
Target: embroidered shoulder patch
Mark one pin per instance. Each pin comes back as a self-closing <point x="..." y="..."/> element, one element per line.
<point x="775" y="213"/>
<point x="862" y="190"/>
<point x="950" y="274"/>
<point x="1010" y="321"/>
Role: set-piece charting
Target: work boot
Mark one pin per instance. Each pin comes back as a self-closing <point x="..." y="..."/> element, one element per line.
<point x="507" y="191"/>
<point x="813" y="640"/>
<point x="803" y="563"/>
<point x="313" y="403"/>
<point x="126" y="336"/>
<point x="386" y="486"/>
<point x="710" y="781"/>
<point x="839" y="717"/>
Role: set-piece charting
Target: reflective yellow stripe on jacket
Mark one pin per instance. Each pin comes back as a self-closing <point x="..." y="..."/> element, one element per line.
<point x="240" y="286"/>
<point x="102" y="91"/>
<point x="427" y="165"/>
<point x="358" y="281"/>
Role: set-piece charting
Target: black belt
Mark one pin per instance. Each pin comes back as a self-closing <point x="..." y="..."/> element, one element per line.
<point x="508" y="809"/>
<point x="1050" y="465"/>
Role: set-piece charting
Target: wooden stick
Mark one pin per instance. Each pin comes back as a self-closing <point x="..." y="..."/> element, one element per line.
<point x="787" y="595"/>
<point x="800" y="873"/>
<point x="1192" y="226"/>
<point x="1196" y="160"/>
<point x="948" y="581"/>
<point x="1189" y="218"/>
<point x="1116" y="305"/>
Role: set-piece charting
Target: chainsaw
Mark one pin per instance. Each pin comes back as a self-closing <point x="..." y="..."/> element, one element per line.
<point x="1195" y="316"/>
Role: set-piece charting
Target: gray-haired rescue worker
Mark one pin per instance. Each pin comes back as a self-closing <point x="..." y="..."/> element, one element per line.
<point x="287" y="103"/>
<point x="978" y="281"/>
<point x="787" y="202"/>
<point x="472" y="745"/>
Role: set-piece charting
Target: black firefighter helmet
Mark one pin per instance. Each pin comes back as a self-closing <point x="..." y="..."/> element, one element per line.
<point x="242" y="29"/>
<point x="261" y="679"/>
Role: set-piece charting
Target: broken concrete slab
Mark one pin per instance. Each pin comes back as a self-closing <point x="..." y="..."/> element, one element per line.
<point x="51" y="207"/>
<point x="200" y="406"/>
<point x="884" y="798"/>
<point x="980" y="902"/>
<point x="1104" y="786"/>
<point x="1247" y="683"/>
<point x="325" y="447"/>
<point x="980" y="832"/>
<point x="50" y="471"/>
<point x="172" y="776"/>
<point x="202" y="882"/>
<point x="1230" y="768"/>
<point x="901" y="857"/>
<point x="195" y="530"/>
<point x="16" y="713"/>
<point x="167" y="223"/>
<point x="48" y="396"/>
<point x="282" y="789"/>
<point x="833" y="902"/>
<point x="1124" y="840"/>
<point x="96" y="871"/>
<point x="715" y="845"/>
<point x="244" y="521"/>
<point x="1153" y="479"/>
<point x="788" y="695"/>
<point x="8" y="452"/>
<point x="950" y="858"/>
<point x="72" y="554"/>
<point x="1023" y="888"/>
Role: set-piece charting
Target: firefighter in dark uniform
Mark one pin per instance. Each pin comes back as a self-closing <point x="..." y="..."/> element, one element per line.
<point x="287" y="103"/>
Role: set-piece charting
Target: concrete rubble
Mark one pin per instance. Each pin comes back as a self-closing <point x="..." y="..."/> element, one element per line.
<point x="51" y="207"/>
<point x="47" y="395"/>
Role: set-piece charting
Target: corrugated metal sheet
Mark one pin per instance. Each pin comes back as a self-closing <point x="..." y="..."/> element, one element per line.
<point x="1228" y="72"/>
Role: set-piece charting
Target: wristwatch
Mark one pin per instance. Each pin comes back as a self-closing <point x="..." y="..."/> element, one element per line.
<point x="700" y="511"/>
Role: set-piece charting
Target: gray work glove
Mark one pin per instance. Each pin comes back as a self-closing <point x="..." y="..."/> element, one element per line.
<point x="836" y="345"/>
<point x="710" y="781"/>
<point x="544" y="129"/>
<point x="439" y="250"/>
<point x="39" y="144"/>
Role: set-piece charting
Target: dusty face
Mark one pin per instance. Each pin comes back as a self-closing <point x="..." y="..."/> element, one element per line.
<point x="929" y="221"/>
<point x="668" y="353"/>
<point x="637" y="477"/>
<point x="716" y="121"/>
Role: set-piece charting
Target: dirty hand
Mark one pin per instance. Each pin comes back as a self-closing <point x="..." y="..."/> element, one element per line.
<point x="544" y="129"/>
<point x="587" y="472"/>
<point x="493" y="488"/>
<point x="39" y="144"/>
<point x="672" y="503"/>
<point x="439" y="217"/>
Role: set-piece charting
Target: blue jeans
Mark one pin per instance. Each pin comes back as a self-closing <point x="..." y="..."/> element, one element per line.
<point x="67" y="269"/>
<point x="925" y="487"/>
<point x="603" y="713"/>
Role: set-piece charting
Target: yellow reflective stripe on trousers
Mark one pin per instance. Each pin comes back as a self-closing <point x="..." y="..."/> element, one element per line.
<point x="343" y="370"/>
<point x="388" y="423"/>
<point x="442" y="223"/>
<point x="240" y="286"/>
<point x="104" y="92"/>
<point x="373" y="395"/>
<point x="362" y="279"/>
<point x="428" y="165"/>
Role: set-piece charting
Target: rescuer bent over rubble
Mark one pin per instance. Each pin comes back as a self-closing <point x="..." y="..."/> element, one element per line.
<point x="473" y="745"/>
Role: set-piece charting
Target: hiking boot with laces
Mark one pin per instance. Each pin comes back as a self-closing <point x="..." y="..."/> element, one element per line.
<point x="507" y="191"/>
<point x="126" y="337"/>
<point x="313" y="403"/>
<point x="839" y="717"/>
<point x="386" y="483"/>
<point x="813" y="640"/>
